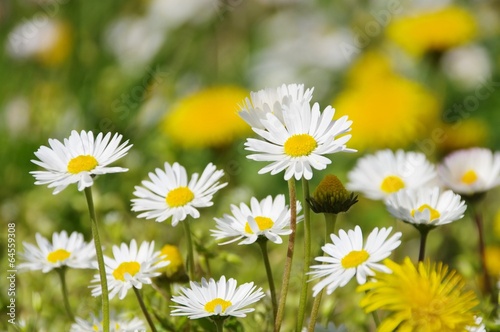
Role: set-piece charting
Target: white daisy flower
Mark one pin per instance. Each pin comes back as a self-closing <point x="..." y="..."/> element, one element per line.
<point x="426" y="206"/>
<point x="70" y="251"/>
<point x="471" y="171"/>
<point x="169" y="194"/>
<point x="116" y="324"/>
<point x="265" y="218"/>
<point x="347" y="257"/>
<point x="300" y="142"/>
<point x="78" y="160"/>
<point x="211" y="298"/>
<point x="129" y="268"/>
<point x="382" y="174"/>
<point x="479" y="327"/>
<point x="272" y="100"/>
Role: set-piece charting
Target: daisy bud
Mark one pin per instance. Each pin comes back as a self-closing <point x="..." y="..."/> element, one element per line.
<point x="331" y="196"/>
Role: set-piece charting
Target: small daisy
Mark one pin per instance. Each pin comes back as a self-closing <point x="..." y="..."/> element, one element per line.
<point x="347" y="257"/>
<point x="382" y="174"/>
<point x="129" y="268"/>
<point x="427" y="297"/>
<point x="70" y="251"/>
<point x="169" y="194"/>
<point x="300" y="142"/>
<point x="426" y="206"/>
<point x="267" y="218"/>
<point x="478" y="327"/>
<point x="116" y="324"/>
<point x="254" y="109"/>
<point x="78" y="160"/>
<point x="471" y="171"/>
<point x="221" y="298"/>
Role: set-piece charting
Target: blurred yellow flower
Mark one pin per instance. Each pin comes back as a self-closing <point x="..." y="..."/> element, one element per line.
<point x="207" y="118"/>
<point x="387" y="110"/>
<point x="492" y="254"/>
<point x="59" y="49"/>
<point x="370" y="68"/>
<point x="48" y="41"/>
<point x="433" y="31"/>
<point x="173" y="255"/>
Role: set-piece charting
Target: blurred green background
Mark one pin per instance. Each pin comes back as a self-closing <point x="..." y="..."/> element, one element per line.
<point x="169" y="75"/>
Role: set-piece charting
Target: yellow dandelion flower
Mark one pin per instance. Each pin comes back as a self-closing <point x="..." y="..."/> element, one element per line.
<point x="433" y="31"/>
<point x="207" y="118"/>
<point x="387" y="110"/>
<point x="428" y="297"/>
<point x="173" y="255"/>
<point x="370" y="68"/>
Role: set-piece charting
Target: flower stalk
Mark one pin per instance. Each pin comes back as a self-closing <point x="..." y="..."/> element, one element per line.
<point x="262" y="241"/>
<point x="289" y="255"/>
<point x="62" y="276"/>
<point x="144" y="310"/>
<point x="100" y="260"/>
<point x="330" y="221"/>
<point x="190" y="257"/>
<point x="307" y="255"/>
<point x="424" y="231"/>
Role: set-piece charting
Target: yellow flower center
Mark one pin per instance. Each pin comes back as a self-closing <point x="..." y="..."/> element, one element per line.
<point x="434" y="213"/>
<point x="300" y="145"/>
<point x="263" y="223"/>
<point x="82" y="164"/>
<point x="95" y="327"/>
<point x="354" y="258"/>
<point x="211" y="305"/>
<point x="58" y="255"/>
<point x="179" y="197"/>
<point x="391" y="184"/>
<point x="430" y="314"/>
<point x="126" y="267"/>
<point x="469" y="177"/>
<point x="174" y="256"/>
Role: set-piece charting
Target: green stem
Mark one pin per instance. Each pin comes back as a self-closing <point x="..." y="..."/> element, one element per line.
<point x="375" y="318"/>
<point x="190" y="258"/>
<point x="144" y="310"/>
<point x="263" y="246"/>
<point x="219" y="323"/>
<point x="423" y="240"/>
<point x="289" y="255"/>
<point x="330" y="221"/>
<point x="482" y="254"/>
<point x="314" y="311"/>
<point x="100" y="260"/>
<point x="62" y="276"/>
<point x="307" y="255"/>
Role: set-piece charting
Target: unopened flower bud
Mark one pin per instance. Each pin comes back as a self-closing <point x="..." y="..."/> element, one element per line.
<point x="331" y="196"/>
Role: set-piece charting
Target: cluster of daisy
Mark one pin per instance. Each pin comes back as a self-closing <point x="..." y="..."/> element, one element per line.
<point x="294" y="137"/>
